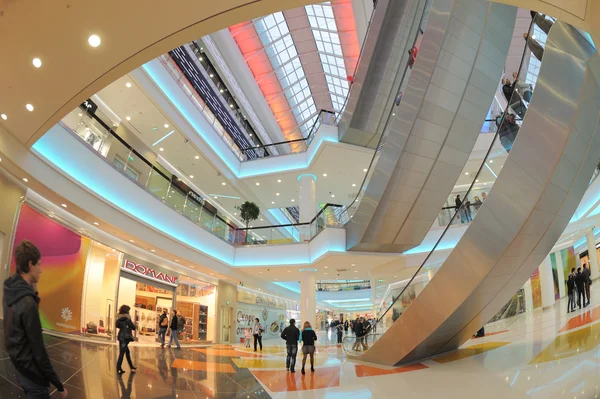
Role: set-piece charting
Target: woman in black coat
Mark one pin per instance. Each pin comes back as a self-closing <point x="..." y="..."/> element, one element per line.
<point x="125" y="336"/>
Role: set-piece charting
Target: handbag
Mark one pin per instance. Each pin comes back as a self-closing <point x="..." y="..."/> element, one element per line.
<point x="92" y="328"/>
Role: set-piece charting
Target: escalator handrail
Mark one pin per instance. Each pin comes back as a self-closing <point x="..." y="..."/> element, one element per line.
<point x="467" y="193"/>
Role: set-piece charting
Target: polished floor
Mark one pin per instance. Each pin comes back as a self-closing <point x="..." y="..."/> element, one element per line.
<point x="540" y="354"/>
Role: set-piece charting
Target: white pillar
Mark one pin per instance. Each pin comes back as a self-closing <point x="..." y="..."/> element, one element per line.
<point x="528" y="296"/>
<point x="592" y="254"/>
<point x="547" y="283"/>
<point x="308" y="299"/>
<point x="307" y="202"/>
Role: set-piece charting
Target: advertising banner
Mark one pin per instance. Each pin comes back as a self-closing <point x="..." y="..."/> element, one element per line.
<point x="260" y="299"/>
<point x="273" y="321"/>
<point x="149" y="271"/>
<point x="64" y="256"/>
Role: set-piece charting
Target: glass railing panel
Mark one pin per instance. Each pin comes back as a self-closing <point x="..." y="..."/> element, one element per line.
<point x="192" y="210"/>
<point x="158" y="185"/>
<point x="508" y="127"/>
<point x="176" y="199"/>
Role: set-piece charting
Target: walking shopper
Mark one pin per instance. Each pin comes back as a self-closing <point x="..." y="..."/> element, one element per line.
<point x="291" y="335"/>
<point x="346" y="326"/>
<point x="587" y="282"/>
<point x="163" y="324"/>
<point x="580" y="283"/>
<point x="571" y="292"/>
<point x="358" y="333"/>
<point x="257" y="331"/>
<point x="125" y="336"/>
<point x="340" y="332"/>
<point x="180" y="323"/>
<point x="22" y="327"/>
<point x="174" y="323"/>
<point x="308" y="346"/>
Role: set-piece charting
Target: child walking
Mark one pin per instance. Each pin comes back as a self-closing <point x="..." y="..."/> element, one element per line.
<point x="248" y="336"/>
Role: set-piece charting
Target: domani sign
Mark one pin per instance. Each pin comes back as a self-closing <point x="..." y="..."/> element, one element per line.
<point x="150" y="272"/>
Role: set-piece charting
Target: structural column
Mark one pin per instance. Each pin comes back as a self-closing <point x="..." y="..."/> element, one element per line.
<point x="547" y="283"/>
<point x="307" y="202"/>
<point x="592" y="254"/>
<point x="308" y="299"/>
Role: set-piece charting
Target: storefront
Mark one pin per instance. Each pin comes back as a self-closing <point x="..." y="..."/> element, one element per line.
<point x="85" y="282"/>
<point x="273" y="313"/>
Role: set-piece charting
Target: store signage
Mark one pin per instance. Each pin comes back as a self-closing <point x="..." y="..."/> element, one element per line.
<point x="89" y="106"/>
<point x="261" y="300"/>
<point x="150" y="272"/>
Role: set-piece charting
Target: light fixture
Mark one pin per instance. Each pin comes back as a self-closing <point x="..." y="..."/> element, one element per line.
<point x="212" y="76"/>
<point x="354" y="264"/>
<point x="201" y="59"/>
<point x="325" y="273"/>
<point x="37" y="62"/>
<point x="262" y="220"/>
<point x="326" y="267"/>
<point x="63" y="205"/>
<point x="293" y="200"/>
<point x="25" y="180"/>
<point x="257" y="183"/>
<point x="96" y="223"/>
<point x="491" y="161"/>
<point x="197" y="157"/>
<point x="278" y="180"/>
<point x="176" y="260"/>
<point x="353" y="184"/>
<point x="277" y="194"/>
<point x="393" y="114"/>
<point x="230" y="105"/>
<point x="94" y="40"/>
<point x="356" y="271"/>
<point x="161" y="149"/>
<point x="272" y="202"/>
<point x="166" y="125"/>
<point x="131" y="241"/>
<point x="3" y="116"/>
<point x="191" y="176"/>
<point x="223" y="184"/>
<point x="221" y="90"/>
<point x="128" y="118"/>
<point x="152" y="250"/>
<point x="29" y="107"/>
<point x="332" y="195"/>
<point x="476" y="180"/>
<point x="324" y="174"/>
<point x="128" y="85"/>
<point x="365" y="169"/>
<point x="234" y="213"/>
<point x="466" y="173"/>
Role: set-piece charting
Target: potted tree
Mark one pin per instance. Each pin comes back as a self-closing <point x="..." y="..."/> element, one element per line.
<point x="249" y="211"/>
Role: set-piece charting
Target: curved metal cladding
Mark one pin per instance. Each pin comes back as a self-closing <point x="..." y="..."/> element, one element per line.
<point x="530" y="204"/>
<point x="384" y="56"/>
<point x="434" y="129"/>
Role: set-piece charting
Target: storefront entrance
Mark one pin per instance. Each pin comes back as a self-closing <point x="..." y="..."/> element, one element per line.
<point x="227" y="321"/>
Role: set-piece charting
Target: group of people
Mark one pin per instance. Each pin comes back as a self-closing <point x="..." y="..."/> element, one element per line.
<point x="256" y="333"/>
<point x="292" y="336"/>
<point x="176" y="326"/>
<point x="579" y="282"/>
<point x="361" y="328"/>
<point x="464" y="212"/>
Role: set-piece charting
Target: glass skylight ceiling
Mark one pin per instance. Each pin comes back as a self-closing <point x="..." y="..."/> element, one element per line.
<point x="279" y="46"/>
<point x="324" y="29"/>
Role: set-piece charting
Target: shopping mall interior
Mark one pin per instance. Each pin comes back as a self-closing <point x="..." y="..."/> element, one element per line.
<point x="237" y="164"/>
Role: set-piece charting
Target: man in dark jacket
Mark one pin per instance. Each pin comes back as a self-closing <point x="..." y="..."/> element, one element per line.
<point x="580" y="283"/>
<point x="23" y="329"/>
<point x="588" y="281"/>
<point x="174" y="325"/>
<point x="291" y="334"/>
<point x="163" y="324"/>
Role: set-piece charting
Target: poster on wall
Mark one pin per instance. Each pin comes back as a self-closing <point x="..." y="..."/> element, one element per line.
<point x="273" y="321"/>
<point x="536" y="289"/>
<point x="64" y="256"/>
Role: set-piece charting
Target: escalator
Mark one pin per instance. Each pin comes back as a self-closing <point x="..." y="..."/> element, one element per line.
<point x="428" y="137"/>
<point x="464" y="282"/>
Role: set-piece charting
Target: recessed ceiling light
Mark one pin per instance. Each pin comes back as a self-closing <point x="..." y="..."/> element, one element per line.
<point x="128" y="85"/>
<point x="272" y="202"/>
<point x="161" y="149"/>
<point x="476" y="180"/>
<point x="176" y="260"/>
<point x="128" y="118"/>
<point x="191" y="176"/>
<point x="353" y="184"/>
<point x="353" y="264"/>
<point x="63" y="205"/>
<point x="152" y="250"/>
<point x="212" y="76"/>
<point x="230" y="105"/>
<point x="364" y="170"/>
<point x="278" y="180"/>
<point x="37" y="62"/>
<point x="326" y="267"/>
<point x="356" y="271"/>
<point x="325" y="273"/>
<point x="261" y="220"/>
<point x="96" y="223"/>
<point x="466" y="173"/>
<point x="25" y="180"/>
<point x="289" y="271"/>
<point x="393" y="114"/>
<point x="94" y="40"/>
<point x="221" y="90"/>
<point x="131" y="241"/>
<point x="234" y="213"/>
<point x="3" y="116"/>
<point x="491" y="161"/>
<point x="293" y="200"/>
<point x="201" y="59"/>
<point x="29" y="107"/>
<point x="197" y="157"/>
<point x="223" y="184"/>
<point x="395" y="276"/>
<point x="166" y="125"/>
<point x="332" y="195"/>
<point x="276" y="193"/>
<point x="257" y="183"/>
<point x="324" y="174"/>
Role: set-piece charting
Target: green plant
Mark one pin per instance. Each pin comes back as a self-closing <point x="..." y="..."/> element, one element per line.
<point x="249" y="211"/>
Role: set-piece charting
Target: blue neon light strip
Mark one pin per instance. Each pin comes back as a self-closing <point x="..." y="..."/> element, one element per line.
<point x="164" y="137"/>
